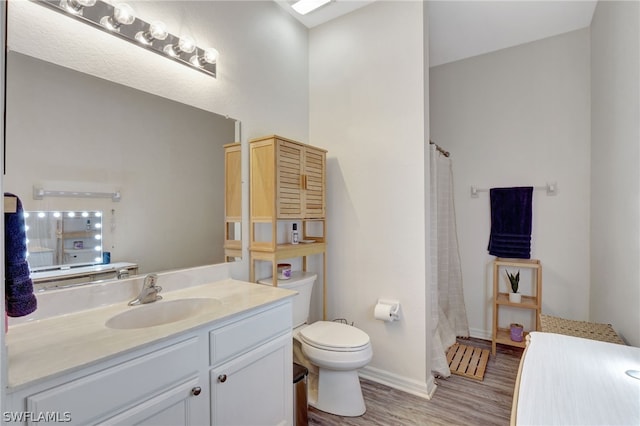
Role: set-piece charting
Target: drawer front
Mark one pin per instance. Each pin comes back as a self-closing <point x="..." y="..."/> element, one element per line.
<point x="102" y="394"/>
<point x="244" y="335"/>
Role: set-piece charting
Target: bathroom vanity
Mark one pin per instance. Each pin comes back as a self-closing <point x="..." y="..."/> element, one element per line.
<point x="196" y="357"/>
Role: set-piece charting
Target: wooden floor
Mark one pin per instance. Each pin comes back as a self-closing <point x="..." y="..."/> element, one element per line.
<point x="457" y="401"/>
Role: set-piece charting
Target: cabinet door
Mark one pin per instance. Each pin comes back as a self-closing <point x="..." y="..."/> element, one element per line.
<point x="177" y="406"/>
<point x="289" y="179"/>
<point x="256" y="388"/>
<point x="314" y="183"/>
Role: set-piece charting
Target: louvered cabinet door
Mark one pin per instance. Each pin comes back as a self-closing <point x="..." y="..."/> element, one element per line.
<point x="313" y="182"/>
<point x="289" y="203"/>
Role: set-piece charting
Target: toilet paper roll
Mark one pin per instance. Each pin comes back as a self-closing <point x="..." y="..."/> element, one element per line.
<point x="384" y="312"/>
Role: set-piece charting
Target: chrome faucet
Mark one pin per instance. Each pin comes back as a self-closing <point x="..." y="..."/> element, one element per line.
<point x="149" y="292"/>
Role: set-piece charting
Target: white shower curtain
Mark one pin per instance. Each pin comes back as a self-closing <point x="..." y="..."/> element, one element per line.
<point x="448" y="312"/>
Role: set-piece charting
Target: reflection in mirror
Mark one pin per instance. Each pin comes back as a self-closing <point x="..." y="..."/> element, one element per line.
<point x="58" y="239"/>
<point x="232" y="202"/>
<point x="72" y="131"/>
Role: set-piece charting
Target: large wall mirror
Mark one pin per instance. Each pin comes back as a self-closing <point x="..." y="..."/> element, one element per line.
<point x="71" y="131"/>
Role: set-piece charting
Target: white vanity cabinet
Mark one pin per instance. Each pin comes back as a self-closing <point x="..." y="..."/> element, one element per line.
<point x="251" y="382"/>
<point x="179" y="380"/>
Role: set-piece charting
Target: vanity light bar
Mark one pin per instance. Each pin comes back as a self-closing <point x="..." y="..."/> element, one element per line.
<point x="119" y="20"/>
<point x="39" y="193"/>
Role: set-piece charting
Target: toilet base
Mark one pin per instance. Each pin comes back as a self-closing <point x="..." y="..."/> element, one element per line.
<point x="339" y="393"/>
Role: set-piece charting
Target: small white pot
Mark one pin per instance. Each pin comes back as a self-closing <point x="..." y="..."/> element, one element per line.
<point x="515" y="297"/>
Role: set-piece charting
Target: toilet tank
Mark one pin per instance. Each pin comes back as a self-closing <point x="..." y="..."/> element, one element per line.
<point x="302" y="282"/>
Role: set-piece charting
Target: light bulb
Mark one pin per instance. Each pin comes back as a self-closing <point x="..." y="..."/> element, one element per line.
<point x="210" y="57"/>
<point x="76" y="6"/>
<point x="123" y="14"/>
<point x="185" y="44"/>
<point x="157" y="31"/>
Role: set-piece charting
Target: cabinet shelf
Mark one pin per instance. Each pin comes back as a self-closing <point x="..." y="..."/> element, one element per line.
<point x="286" y="251"/>
<point x="528" y="302"/>
<point x="503" y="337"/>
<point x="500" y="299"/>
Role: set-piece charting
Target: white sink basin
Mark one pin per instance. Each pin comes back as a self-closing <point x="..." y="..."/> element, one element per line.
<point x="161" y="312"/>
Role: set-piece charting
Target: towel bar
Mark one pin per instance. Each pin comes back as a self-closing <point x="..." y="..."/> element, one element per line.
<point x="551" y="188"/>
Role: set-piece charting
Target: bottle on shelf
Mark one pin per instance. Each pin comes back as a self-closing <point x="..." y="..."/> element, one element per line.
<point x="294" y="234"/>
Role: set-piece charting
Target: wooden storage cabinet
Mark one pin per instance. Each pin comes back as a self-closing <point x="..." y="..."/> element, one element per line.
<point x="287" y="184"/>
<point x="532" y="302"/>
<point x="232" y="200"/>
<point x="287" y="180"/>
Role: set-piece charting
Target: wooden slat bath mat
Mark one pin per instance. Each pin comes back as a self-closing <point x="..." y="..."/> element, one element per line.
<point x="467" y="361"/>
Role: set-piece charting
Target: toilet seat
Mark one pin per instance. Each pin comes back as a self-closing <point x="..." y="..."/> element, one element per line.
<point x="334" y="336"/>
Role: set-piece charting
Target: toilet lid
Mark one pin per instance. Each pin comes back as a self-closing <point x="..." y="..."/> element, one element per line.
<point x="334" y="336"/>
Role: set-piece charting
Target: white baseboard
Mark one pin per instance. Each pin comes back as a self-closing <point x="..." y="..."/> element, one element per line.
<point x="423" y="390"/>
<point x="480" y="334"/>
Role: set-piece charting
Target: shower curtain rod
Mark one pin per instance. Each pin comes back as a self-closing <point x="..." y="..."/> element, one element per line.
<point x="440" y="150"/>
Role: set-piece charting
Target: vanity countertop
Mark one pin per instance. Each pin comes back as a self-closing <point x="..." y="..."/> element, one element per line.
<point x="49" y="347"/>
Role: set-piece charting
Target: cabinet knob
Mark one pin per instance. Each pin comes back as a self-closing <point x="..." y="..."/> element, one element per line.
<point x="196" y="391"/>
<point x="222" y="378"/>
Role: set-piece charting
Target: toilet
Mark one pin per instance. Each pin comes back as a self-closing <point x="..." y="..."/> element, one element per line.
<point x="332" y="351"/>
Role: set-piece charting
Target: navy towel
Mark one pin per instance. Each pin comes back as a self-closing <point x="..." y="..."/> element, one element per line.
<point x="18" y="287"/>
<point x="511" y="222"/>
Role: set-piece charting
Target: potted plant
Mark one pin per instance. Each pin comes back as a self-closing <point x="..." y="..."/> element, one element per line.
<point x="514" y="296"/>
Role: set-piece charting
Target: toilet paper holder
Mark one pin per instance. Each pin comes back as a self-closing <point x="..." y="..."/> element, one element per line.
<point x="390" y="307"/>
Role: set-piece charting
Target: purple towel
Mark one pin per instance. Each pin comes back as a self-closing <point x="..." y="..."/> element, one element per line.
<point x="511" y="222"/>
<point x="19" y="297"/>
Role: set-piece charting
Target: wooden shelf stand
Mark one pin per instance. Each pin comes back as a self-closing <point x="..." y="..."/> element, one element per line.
<point x="500" y="299"/>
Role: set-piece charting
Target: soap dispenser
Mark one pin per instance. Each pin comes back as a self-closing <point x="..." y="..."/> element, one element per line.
<point x="294" y="234"/>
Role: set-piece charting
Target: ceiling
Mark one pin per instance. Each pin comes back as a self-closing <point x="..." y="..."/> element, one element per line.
<point x="462" y="29"/>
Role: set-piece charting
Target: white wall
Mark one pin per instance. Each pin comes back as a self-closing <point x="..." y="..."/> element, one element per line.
<point x="615" y="167"/>
<point x="367" y="108"/>
<point x="520" y="117"/>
